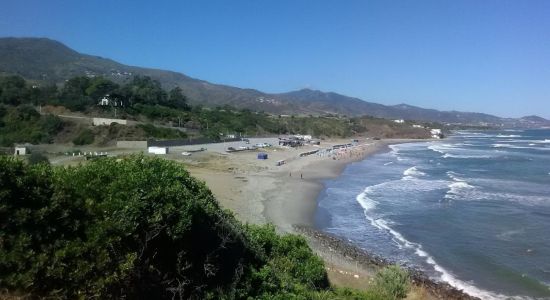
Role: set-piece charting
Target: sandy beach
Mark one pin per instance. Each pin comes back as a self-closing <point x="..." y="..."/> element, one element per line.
<point x="258" y="191"/>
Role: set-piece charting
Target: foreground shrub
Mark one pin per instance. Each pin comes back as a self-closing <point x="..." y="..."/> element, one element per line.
<point x="38" y="158"/>
<point x="391" y="283"/>
<point x="137" y="228"/>
<point x="142" y="228"/>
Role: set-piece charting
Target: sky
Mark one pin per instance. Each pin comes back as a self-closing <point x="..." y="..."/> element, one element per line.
<point x="489" y="56"/>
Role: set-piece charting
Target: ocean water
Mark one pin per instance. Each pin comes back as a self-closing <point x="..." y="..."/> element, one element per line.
<point x="472" y="210"/>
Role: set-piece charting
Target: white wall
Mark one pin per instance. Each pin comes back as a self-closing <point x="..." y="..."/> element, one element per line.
<point x="105" y="121"/>
<point x="157" y="150"/>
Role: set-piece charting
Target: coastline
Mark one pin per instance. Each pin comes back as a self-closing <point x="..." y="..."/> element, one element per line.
<point x="286" y="196"/>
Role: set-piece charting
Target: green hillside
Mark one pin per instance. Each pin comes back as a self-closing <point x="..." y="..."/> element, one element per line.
<point x="47" y="61"/>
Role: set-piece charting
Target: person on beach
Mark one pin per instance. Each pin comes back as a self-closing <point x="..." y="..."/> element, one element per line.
<point x="301" y="176"/>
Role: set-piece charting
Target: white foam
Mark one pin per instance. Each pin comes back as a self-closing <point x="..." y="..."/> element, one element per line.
<point x="388" y="163"/>
<point x="454" y="176"/>
<point x="412" y="172"/>
<point x="445" y="275"/>
<point x="503" y="146"/>
<point x="366" y="202"/>
<point x="441" y="148"/>
<point x="458" y="188"/>
<point x="395" y="152"/>
<point x="448" y="155"/>
<point x="508" y="135"/>
<point x="510" y="146"/>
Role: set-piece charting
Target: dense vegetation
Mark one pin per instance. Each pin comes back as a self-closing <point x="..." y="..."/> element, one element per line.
<point x="144" y="99"/>
<point x="143" y="228"/>
<point x="23" y="124"/>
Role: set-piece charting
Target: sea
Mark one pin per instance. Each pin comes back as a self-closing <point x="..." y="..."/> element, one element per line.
<point x="472" y="210"/>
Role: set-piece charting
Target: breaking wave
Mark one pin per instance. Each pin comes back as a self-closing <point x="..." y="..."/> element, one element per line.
<point x="368" y="204"/>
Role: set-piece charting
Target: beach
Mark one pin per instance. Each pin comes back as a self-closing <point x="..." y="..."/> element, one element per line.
<point x="284" y="190"/>
<point x="259" y="192"/>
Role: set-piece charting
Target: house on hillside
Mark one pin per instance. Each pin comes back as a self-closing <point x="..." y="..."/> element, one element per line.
<point x="106" y="101"/>
<point x="400" y="121"/>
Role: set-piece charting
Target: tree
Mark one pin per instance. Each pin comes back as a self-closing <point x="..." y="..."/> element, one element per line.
<point x="13" y="90"/>
<point x="44" y="95"/>
<point x="74" y="94"/>
<point x="100" y="87"/>
<point x="176" y="99"/>
<point x="143" y="89"/>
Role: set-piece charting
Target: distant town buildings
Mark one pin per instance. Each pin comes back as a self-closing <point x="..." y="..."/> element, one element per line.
<point x="400" y="121"/>
<point x="436" y="133"/>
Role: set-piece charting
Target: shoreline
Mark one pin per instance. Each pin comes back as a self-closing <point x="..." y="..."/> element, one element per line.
<point x="293" y="198"/>
<point x="286" y="196"/>
<point x="341" y="256"/>
<point x="332" y="248"/>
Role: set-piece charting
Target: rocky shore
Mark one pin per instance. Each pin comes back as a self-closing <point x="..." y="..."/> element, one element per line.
<point x="324" y="242"/>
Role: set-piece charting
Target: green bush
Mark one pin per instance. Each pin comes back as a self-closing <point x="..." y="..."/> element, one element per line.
<point x="161" y="133"/>
<point x="85" y="137"/>
<point x="143" y="228"/>
<point x="391" y="283"/>
<point x="37" y="158"/>
<point x="23" y="124"/>
<point x="137" y="228"/>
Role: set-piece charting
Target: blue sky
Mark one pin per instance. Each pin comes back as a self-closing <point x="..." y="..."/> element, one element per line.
<point x="489" y="56"/>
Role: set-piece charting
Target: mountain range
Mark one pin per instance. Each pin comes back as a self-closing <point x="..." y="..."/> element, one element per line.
<point x="46" y="60"/>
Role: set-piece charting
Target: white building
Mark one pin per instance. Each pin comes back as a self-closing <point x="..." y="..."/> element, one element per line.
<point x="105" y="101"/>
<point x="157" y="150"/>
<point x="436" y="133"/>
<point x="106" y="121"/>
<point x="20" y="151"/>
<point x="400" y="121"/>
<point x="417" y="126"/>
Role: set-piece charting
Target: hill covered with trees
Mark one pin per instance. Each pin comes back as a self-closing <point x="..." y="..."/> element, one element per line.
<point x="144" y="101"/>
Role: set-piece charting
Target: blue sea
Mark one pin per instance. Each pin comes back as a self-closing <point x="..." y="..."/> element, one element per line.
<point x="472" y="210"/>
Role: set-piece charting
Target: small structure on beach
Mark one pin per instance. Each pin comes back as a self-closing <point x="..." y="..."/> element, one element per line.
<point x="292" y="142"/>
<point x="20" y="150"/>
<point x="262" y="155"/>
